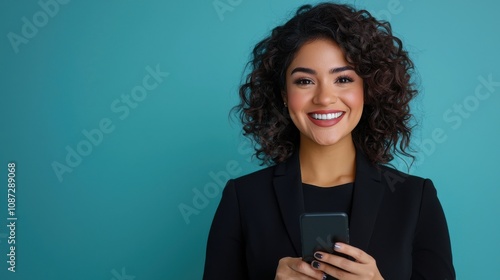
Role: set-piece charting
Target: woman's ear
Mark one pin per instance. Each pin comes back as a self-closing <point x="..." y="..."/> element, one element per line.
<point x="284" y="97"/>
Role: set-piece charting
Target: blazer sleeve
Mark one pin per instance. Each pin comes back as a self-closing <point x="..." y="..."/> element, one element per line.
<point x="225" y="255"/>
<point x="432" y="258"/>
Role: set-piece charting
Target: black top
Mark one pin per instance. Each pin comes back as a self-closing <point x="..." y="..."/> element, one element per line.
<point x="328" y="199"/>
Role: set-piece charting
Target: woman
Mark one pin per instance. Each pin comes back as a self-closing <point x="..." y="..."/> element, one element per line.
<point x="327" y="102"/>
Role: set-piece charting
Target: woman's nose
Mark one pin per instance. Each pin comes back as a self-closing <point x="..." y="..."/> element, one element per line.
<point x="324" y="95"/>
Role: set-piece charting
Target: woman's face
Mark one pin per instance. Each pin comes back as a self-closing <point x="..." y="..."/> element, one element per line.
<point x="324" y="94"/>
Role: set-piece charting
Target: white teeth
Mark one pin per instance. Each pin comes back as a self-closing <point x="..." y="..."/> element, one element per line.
<point x="330" y="116"/>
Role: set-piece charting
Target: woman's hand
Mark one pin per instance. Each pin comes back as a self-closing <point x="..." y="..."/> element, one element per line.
<point x="295" y="269"/>
<point x="363" y="266"/>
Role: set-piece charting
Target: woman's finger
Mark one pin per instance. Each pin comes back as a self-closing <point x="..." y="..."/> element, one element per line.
<point x="339" y="267"/>
<point x="359" y="255"/>
<point x="296" y="269"/>
<point x="336" y="265"/>
<point x="304" y="268"/>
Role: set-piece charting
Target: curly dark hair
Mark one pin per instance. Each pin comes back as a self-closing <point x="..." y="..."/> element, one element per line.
<point x="369" y="46"/>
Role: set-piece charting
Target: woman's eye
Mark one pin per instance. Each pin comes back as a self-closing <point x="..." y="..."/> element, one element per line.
<point x="343" y="80"/>
<point x="303" y="82"/>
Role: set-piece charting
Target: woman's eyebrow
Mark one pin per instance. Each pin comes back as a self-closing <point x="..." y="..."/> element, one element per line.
<point x="303" y="69"/>
<point x="340" y="69"/>
<point x="312" y="72"/>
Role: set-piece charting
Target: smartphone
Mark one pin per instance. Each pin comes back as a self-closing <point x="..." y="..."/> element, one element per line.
<point x="320" y="231"/>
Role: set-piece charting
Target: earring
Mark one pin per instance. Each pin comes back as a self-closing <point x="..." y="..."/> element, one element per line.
<point x="285" y="110"/>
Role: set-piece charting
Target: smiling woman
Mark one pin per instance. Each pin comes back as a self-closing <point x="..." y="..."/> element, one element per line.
<point x="327" y="102"/>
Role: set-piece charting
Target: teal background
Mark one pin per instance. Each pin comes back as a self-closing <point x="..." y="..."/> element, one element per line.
<point x="116" y="215"/>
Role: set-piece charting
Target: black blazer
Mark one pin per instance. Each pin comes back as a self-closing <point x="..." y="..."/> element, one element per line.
<point x="396" y="218"/>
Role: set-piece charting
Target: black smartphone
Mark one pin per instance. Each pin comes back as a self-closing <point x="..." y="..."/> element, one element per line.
<point x="320" y="231"/>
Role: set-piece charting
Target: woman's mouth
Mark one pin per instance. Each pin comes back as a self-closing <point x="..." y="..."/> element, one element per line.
<point x="329" y="116"/>
<point x="326" y="119"/>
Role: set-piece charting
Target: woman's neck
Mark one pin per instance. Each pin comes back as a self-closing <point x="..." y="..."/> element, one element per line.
<point x="327" y="166"/>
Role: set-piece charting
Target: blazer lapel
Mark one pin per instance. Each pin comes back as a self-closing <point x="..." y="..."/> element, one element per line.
<point x="288" y="188"/>
<point x="367" y="196"/>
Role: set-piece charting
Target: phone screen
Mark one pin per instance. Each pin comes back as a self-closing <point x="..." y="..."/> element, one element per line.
<point x="320" y="231"/>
